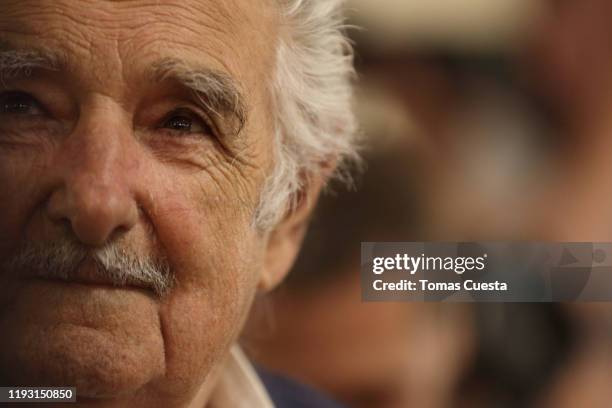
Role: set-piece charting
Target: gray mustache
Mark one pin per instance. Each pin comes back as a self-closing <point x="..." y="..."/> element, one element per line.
<point x="113" y="263"/>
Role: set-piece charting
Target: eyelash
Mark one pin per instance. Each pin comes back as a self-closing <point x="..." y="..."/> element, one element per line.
<point x="15" y="98"/>
<point x="25" y="102"/>
<point x="204" y="122"/>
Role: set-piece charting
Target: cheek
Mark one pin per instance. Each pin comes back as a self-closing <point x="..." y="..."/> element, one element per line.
<point x="22" y="180"/>
<point x="216" y="257"/>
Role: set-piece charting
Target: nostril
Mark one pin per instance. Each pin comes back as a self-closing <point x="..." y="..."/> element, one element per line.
<point x="95" y="225"/>
<point x="64" y="223"/>
<point x="117" y="233"/>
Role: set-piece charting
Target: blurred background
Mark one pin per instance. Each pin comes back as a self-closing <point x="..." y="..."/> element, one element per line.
<point x="482" y="120"/>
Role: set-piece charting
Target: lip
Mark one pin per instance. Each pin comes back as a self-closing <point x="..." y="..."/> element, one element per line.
<point x="89" y="275"/>
<point x="75" y="283"/>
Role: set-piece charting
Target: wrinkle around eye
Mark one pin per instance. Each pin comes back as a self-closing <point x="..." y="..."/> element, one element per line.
<point x="192" y="152"/>
<point x="195" y="149"/>
<point x="31" y="130"/>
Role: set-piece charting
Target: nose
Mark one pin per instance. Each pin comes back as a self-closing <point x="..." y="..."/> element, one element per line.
<point x="94" y="196"/>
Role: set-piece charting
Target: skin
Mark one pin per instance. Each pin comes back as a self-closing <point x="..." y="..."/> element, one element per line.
<point x="100" y="163"/>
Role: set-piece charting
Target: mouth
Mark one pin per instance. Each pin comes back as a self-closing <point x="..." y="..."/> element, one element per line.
<point x="76" y="285"/>
<point x="88" y="273"/>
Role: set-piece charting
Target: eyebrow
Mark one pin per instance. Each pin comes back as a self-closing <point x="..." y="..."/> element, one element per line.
<point x="18" y="63"/>
<point x="215" y="90"/>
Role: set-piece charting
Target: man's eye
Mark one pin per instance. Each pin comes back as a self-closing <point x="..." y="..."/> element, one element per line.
<point x="185" y="122"/>
<point x="19" y="103"/>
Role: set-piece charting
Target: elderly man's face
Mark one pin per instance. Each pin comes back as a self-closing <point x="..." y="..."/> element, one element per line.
<point x="146" y="127"/>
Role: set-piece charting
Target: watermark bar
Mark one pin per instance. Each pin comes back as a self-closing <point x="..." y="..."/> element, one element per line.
<point x="37" y="394"/>
<point x="486" y="271"/>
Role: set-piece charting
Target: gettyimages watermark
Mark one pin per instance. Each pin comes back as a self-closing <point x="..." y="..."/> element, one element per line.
<point x="486" y="271"/>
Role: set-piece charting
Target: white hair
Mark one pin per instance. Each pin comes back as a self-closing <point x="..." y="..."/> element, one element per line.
<point x="312" y="95"/>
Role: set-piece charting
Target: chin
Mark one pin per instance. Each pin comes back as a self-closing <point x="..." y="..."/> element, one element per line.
<point x="106" y="344"/>
<point x="86" y="358"/>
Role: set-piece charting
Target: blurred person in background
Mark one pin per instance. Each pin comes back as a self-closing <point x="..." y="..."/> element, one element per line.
<point x="522" y="160"/>
<point x="570" y="64"/>
<point x="571" y="69"/>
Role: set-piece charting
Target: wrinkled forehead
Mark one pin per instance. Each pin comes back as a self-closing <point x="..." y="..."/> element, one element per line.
<point x="237" y="37"/>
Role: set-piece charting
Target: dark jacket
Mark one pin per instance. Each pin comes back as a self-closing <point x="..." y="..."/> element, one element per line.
<point x="286" y="393"/>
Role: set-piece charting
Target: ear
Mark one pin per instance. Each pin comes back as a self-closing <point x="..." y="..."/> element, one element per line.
<point x="285" y="240"/>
